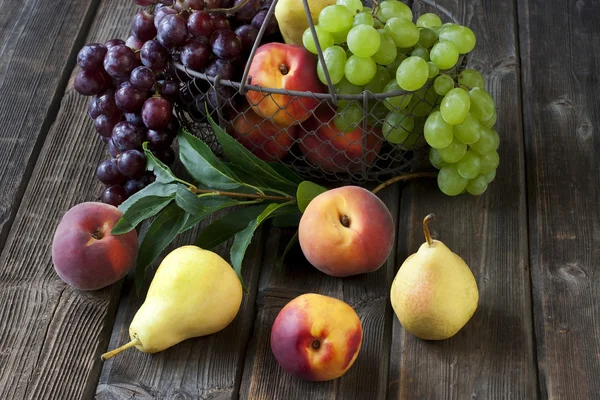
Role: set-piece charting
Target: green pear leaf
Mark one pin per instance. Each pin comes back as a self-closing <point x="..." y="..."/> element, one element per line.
<point x="161" y="171"/>
<point x="145" y="207"/>
<point x="306" y="192"/>
<point x="154" y="189"/>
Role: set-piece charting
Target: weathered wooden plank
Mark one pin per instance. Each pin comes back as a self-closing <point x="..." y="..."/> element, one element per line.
<point x="493" y="356"/>
<point x="367" y="294"/>
<point x="51" y="336"/>
<point x="561" y="109"/>
<point x="38" y="43"/>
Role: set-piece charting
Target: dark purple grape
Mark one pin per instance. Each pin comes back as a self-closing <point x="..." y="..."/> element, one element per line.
<point x="104" y="125"/>
<point x="266" y="4"/>
<point x="220" y="21"/>
<point x="159" y="139"/>
<point x="142" y="26"/>
<point x="119" y="61"/>
<point x="160" y="13"/>
<point x="92" y="109"/>
<point x="134" y="118"/>
<point x="133" y="186"/>
<point x="114" y="42"/>
<point x="148" y="178"/>
<point x="248" y="10"/>
<point x="165" y="154"/>
<point x="220" y="97"/>
<point x="134" y="43"/>
<point x="89" y="83"/>
<point x="194" y="4"/>
<point x="259" y="19"/>
<point x="127" y="136"/>
<point x="105" y="103"/>
<point x="195" y="54"/>
<point x="108" y="172"/>
<point x="157" y="113"/>
<point x="114" y="195"/>
<point x="210" y="4"/>
<point x="200" y="24"/>
<point x="172" y="31"/>
<point x="173" y="127"/>
<point x="169" y="89"/>
<point x="226" y="44"/>
<point x="224" y="67"/>
<point x="247" y="34"/>
<point x="154" y="55"/>
<point x="91" y="57"/>
<point x="132" y="163"/>
<point x="112" y="149"/>
<point x="145" y="3"/>
<point x="129" y="99"/>
<point x="142" y="78"/>
<point x="227" y="3"/>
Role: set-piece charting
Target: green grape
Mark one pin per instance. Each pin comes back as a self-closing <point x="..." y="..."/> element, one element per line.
<point x="377" y="113"/>
<point x="468" y="131"/>
<point x="359" y="71"/>
<point x="433" y="69"/>
<point x="462" y="37"/>
<point x="469" y="166"/>
<point x="490" y="176"/>
<point x="471" y="78"/>
<point x="435" y="159"/>
<point x="324" y="37"/>
<point x="335" y="59"/>
<point x="477" y="185"/>
<point x="387" y="52"/>
<point x="420" y="52"/>
<point x="455" y="106"/>
<point x="379" y="81"/>
<point x="423" y="101"/>
<point x="345" y="87"/>
<point x="354" y="6"/>
<point x="488" y="123"/>
<point x="496" y="139"/>
<point x="486" y="141"/>
<point x="363" y="18"/>
<point x="454" y="152"/>
<point x="389" y="9"/>
<point x="363" y="41"/>
<point x="405" y="50"/>
<point x="347" y="119"/>
<point x="335" y="18"/>
<point x="489" y="162"/>
<point x="397" y="127"/>
<point x="340" y="37"/>
<point x="427" y="38"/>
<point x="443" y="84"/>
<point x="404" y="32"/>
<point x="450" y="182"/>
<point x="393" y="67"/>
<point x="429" y="20"/>
<point x="438" y="133"/>
<point x="444" y="54"/>
<point x="395" y="102"/>
<point x="482" y="104"/>
<point x="412" y="73"/>
<point x="439" y="29"/>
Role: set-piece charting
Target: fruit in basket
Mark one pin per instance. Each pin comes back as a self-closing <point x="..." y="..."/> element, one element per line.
<point x="434" y="293"/>
<point x="327" y="147"/>
<point x="85" y="254"/>
<point x="283" y="66"/>
<point x="316" y="337"/>
<point x="194" y="293"/>
<point x="263" y="138"/>
<point x="292" y="20"/>
<point x="346" y="231"/>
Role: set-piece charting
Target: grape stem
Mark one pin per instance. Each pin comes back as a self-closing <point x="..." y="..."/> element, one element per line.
<point x="244" y="195"/>
<point x="231" y="10"/>
<point x="404" y="177"/>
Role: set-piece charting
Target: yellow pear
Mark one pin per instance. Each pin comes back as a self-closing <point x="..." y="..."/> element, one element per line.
<point x="434" y="293"/>
<point x="292" y="20"/>
<point x="194" y="293"/>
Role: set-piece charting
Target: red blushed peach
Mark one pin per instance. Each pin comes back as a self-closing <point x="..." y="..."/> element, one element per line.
<point x="283" y="66"/>
<point x="84" y="253"/>
<point x="316" y="337"/>
<point x="262" y="137"/>
<point x="346" y="231"/>
<point x="330" y="149"/>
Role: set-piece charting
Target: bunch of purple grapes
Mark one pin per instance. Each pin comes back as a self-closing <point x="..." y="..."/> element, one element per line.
<point x="132" y="86"/>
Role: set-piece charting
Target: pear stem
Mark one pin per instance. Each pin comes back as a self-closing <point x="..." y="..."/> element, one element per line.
<point x="116" y="351"/>
<point x="404" y="177"/>
<point x="430" y="217"/>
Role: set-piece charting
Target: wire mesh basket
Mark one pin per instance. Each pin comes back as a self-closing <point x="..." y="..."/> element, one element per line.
<point x="319" y="143"/>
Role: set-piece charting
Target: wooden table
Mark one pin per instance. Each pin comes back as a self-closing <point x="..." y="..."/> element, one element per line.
<point x="532" y="240"/>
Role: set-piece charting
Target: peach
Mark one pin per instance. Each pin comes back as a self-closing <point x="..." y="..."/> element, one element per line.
<point x="346" y="231"/>
<point x="283" y="66"/>
<point x="85" y="254"/>
<point x="330" y="149"/>
<point x="316" y="337"/>
<point x="262" y="137"/>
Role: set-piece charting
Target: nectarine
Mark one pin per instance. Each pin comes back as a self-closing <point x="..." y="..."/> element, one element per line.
<point x="84" y="252"/>
<point x="316" y="337"/>
<point x="346" y="231"/>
